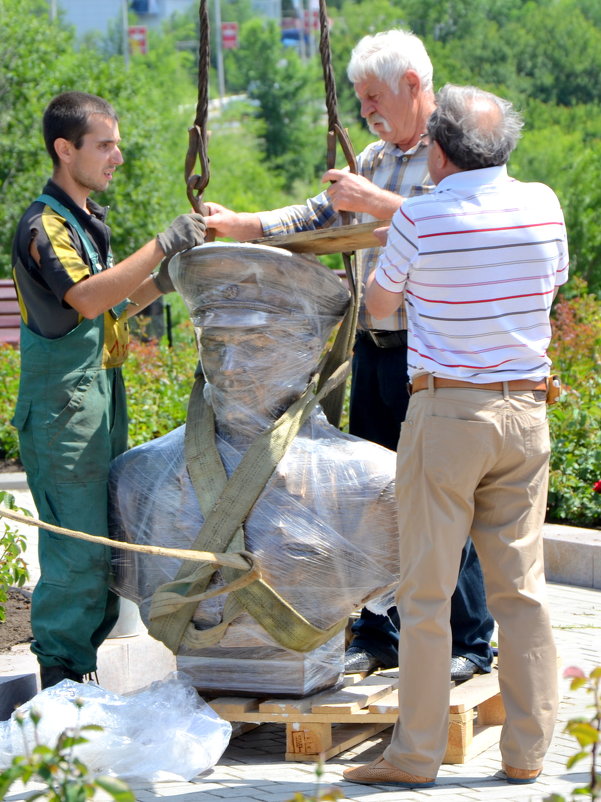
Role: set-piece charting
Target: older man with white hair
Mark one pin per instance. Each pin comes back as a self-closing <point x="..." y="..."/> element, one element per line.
<point x="479" y="261"/>
<point x="392" y="75"/>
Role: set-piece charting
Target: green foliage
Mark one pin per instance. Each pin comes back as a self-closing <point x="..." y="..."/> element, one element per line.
<point x="575" y="458"/>
<point x="287" y="92"/>
<point x="586" y="732"/>
<point x="29" y="46"/>
<point x="10" y="362"/>
<point x="252" y="185"/>
<point x="159" y="380"/>
<point x="575" y="421"/>
<point x="64" y="776"/>
<point x="13" y="569"/>
<point x="561" y="147"/>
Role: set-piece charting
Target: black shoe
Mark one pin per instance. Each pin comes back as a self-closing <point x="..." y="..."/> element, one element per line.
<point x="462" y="669"/>
<point x="52" y="675"/>
<point x="358" y="660"/>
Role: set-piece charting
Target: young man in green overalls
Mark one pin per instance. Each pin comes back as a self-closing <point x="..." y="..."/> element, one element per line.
<point x="71" y="410"/>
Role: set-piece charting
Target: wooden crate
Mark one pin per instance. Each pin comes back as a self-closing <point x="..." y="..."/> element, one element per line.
<point x="330" y="722"/>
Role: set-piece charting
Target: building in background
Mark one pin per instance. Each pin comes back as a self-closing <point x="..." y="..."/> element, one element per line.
<point x="95" y="15"/>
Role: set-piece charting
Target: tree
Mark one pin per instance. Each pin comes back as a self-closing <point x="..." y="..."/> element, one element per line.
<point x="289" y="97"/>
<point x="561" y="147"/>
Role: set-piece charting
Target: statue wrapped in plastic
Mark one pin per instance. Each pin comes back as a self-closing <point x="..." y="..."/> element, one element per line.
<point x="323" y="526"/>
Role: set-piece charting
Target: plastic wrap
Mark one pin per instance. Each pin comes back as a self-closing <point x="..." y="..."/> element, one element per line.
<point x="323" y="529"/>
<point x="163" y="732"/>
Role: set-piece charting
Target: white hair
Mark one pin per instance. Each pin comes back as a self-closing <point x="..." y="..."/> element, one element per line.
<point x="388" y="55"/>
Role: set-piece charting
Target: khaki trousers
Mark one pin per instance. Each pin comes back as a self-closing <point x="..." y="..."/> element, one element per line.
<point x="473" y="462"/>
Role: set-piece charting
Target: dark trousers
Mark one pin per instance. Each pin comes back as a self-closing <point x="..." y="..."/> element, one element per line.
<point x="378" y="405"/>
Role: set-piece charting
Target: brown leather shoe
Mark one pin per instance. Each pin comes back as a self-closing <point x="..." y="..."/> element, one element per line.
<point x="381" y="772"/>
<point x="520" y="776"/>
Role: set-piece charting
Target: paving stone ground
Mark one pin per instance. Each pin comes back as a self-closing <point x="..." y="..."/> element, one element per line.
<point x="253" y="768"/>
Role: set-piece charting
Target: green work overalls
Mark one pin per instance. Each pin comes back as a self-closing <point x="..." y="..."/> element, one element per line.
<point x="72" y="421"/>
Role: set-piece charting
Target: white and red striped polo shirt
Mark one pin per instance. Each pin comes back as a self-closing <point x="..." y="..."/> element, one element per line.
<point x="479" y="260"/>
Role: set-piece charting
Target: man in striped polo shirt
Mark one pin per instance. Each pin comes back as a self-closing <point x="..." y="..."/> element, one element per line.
<point x="479" y="262"/>
<point x="392" y="76"/>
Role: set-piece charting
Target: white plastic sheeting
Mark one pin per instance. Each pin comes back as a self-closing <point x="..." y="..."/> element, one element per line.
<point x="163" y="732"/>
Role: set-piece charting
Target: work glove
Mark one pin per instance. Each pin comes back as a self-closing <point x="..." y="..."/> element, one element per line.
<point x="162" y="279"/>
<point x="185" y="231"/>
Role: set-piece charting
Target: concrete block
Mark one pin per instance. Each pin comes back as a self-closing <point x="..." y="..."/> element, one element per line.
<point x="572" y="555"/>
<point x="13" y="481"/>
<point x="131" y="663"/>
<point x="15" y="691"/>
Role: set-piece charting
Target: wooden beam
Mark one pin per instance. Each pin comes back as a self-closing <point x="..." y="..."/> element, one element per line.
<point x="338" y="239"/>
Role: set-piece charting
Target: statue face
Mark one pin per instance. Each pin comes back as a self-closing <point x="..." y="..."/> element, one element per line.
<point x="253" y="373"/>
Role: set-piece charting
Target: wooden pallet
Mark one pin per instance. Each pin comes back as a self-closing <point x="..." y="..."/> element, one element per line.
<point x="328" y="723"/>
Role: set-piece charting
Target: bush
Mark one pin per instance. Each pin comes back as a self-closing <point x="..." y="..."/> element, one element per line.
<point x="13" y="568"/>
<point x="575" y="421"/>
<point x="158" y="380"/>
<point x="10" y="363"/>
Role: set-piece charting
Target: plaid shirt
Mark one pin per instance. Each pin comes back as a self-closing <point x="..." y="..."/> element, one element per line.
<point x="405" y="173"/>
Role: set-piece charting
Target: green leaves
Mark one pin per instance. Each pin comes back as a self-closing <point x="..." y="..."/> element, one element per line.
<point x="66" y="777"/>
<point x="587" y="733"/>
<point x="158" y="381"/>
<point x="575" y="421"/>
<point x="13" y="568"/>
<point x="288" y="94"/>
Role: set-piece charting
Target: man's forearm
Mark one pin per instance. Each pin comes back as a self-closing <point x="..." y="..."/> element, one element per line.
<point x="384" y="204"/>
<point x="380" y="302"/>
<point x="145" y="294"/>
<point x="94" y="295"/>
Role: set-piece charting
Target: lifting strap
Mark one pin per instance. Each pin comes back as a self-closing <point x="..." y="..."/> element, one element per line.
<point x="225" y="505"/>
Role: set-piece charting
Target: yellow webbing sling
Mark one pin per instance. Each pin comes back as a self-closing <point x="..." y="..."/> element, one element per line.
<point x="225" y="505"/>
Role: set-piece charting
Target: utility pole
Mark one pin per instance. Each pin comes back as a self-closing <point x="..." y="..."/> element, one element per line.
<point x="125" y="30"/>
<point x="302" y="43"/>
<point x="52" y="10"/>
<point x="219" y="45"/>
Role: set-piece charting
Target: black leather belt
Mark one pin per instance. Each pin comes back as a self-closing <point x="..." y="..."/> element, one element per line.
<point x="384" y="338"/>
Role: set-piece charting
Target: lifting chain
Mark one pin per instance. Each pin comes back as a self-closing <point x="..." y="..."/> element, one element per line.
<point x="197" y="135"/>
<point x="335" y="130"/>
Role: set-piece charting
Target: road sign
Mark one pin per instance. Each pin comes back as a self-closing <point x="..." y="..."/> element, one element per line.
<point x="229" y="35"/>
<point x="138" y="39"/>
<point x="311" y="20"/>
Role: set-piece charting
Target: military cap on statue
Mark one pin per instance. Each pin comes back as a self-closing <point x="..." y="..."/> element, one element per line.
<point x="215" y="276"/>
